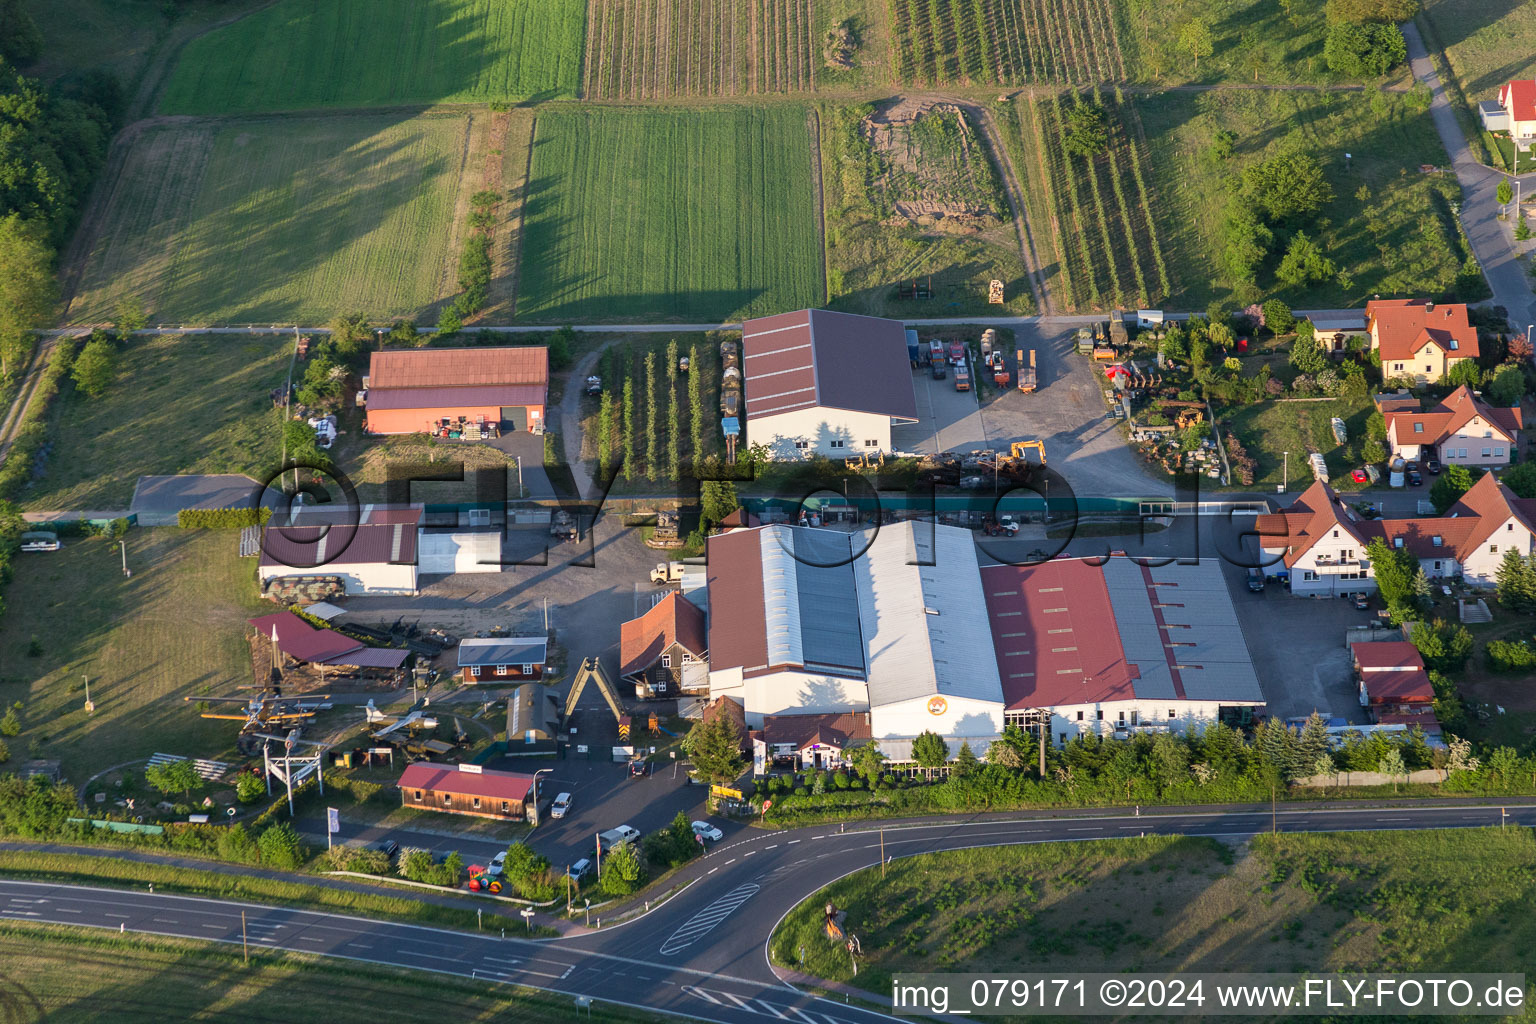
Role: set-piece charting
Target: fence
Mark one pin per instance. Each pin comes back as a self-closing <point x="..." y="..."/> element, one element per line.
<point x="1371" y="778"/>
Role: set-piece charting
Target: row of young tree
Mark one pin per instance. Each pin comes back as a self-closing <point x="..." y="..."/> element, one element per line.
<point x="642" y="424"/>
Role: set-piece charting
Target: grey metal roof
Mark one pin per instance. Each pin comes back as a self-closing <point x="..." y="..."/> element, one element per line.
<point x="924" y="616"/>
<point x="504" y="650"/>
<point x="1217" y="664"/>
<point x="810" y="604"/>
<point x="1140" y="637"/>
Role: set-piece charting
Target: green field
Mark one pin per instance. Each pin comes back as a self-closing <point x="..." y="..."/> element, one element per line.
<point x="1270" y="429"/>
<point x="1398" y="237"/>
<point x="67" y="976"/>
<point x="302" y="54"/>
<point x="1366" y="901"/>
<point x="150" y="421"/>
<point x="670" y="214"/>
<point x="273" y="221"/>
<point x="175" y="629"/>
<point x="1486" y="43"/>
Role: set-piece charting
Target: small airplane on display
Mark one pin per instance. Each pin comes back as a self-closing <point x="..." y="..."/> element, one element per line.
<point x="394" y="723"/>
<point x="265" y="708"/>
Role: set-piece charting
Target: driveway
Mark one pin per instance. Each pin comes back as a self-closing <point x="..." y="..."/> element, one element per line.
<point x="1491" y="241"/>
<point x="948" y="420"/>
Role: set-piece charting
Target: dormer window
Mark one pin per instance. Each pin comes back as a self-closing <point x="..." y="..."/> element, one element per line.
<point x="1418" y="428"/>
<point x="1397" y="542"/>
<point x="1435" y="540"/>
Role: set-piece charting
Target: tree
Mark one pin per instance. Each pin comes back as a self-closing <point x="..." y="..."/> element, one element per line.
<point x="95" y="365"/>
<point x="867" y="759"/>
<point x="173" y="777"/>
<point x="1522" y="229"/>
<point x="627" y="429"/>
<point x="1364" y="51"/>
<point x="27" y="289"/>
<point x="965" y="761"/>
<point x="714" y="747"/>
<point x="20" y="40"/>
<point x="652" y="410"/>
<point x="1464" y="371"/>
<point x="1278" y="317"/>
<point x="406" y="334"/>
<point x="1287" y="187"/>
<point x="622" y="872"/>
<point x="717" y="499"/>
<point x="604" y="434"/>
<point x="249" y="788"/>
<point x="1195" y="39"/>
<point x="1445" y="647"/>
<point x="697" y="415"/>
<point x="1391" y="765"/>
<point x="1304" y="263"/>
<point x="560" y="345"/>
<point x="1373" y="450"/>
<point x="1521" y="479"/>
<point x="350" y="334"/>
<point x="1393" y="569"/>
<point x="449" y="321"/>
<point x="674" y="457"/>
<point x="1451" y="485"/>
<point x="281" y="847"/>
<point x="1307" y="356"/>
<point x="1504" y="192"/>
<point x="929" y="750"/>
<point x="1313" y="741"/>
<point x="1516" y="582"/>
<point x="1507" y="385"/>
<point x="1086" y="131"/>
<point x="1418" y="587"/>
<point x="10" y="725"/>
<point x="130" y="316"/>
<point x="1520" y="349"/>
<point x="1245" y="242"/>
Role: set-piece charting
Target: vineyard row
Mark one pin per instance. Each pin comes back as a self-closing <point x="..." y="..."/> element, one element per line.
<point x="1004" y="42"/>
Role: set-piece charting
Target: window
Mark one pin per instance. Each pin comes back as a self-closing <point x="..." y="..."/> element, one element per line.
<point x="1437" y="567"/>
<point x="1493" y="549"/>
<point x="1335" y="534"/>
<point x="447" y="800"/>
<point x="802" y="445"/>
<point x="1133" y="718"/>
<point x="505" y="807"/>
<point x="418" y="796"/>
<point x="687" y="658"/>
<point x="1428" y="368"/>
<point x="871" y="444"/>
<point x="1435" y="541"/>
<point x="1488" y="433"/>
<point x="1508" y="527"/>
<point x="1487" y="452"/>
<point x="477" y="803"/>
<point x="1399" y="366"/>
<point x="474" y="670"/>
<point x="527" y="670"/>
<point x="839" y="444"/>
<point x="1418" y="428"/>
<point x="1172" y="713"/>
<point x="1308" y="576"/>
<point x="1122" y="718"/>
<point x="1101" y="714"/>
<point x="1345" y="554"/>
<point x="1397" y="542"/>
<point x="502" y="670"/>
<point x="1498" y="453"/>
<point x="1079" y="716"/>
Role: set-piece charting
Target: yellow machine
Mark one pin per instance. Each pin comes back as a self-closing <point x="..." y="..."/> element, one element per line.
<point x="1021" y="449"/>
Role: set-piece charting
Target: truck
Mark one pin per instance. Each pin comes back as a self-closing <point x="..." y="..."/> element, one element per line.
<point x="957" y="353"/>
<point x="962" y="378"/>
<point x="1027" y="378"/>
<point x="668" y="572"/>
<point x="914" y="348"/>
<point x="935" y="352"/>
<point x="614" y="838"/>
<point x="1118" y="335"/>
<point x="1084" y="341"/>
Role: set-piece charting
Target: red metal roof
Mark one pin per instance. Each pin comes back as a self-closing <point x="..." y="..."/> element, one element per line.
<point x="457" y="367"/>
<point x="430" y="399"/>
<point x="447" y="778"/>
<point x="1054" y="632"/>
<point x="673" y="619"/>
<point x="1519" y="98"/>
<point x="1385" y="655"/>
<point x="1401" y="327"/>
<point x="738" y="628"/>
<point x="300" y="640"/>
<point x="1398" y="687"/>
<point x="815" y="358"/>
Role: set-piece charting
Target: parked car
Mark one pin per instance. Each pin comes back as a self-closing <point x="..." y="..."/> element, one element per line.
<point x="1411" y="465"/>
<point x="40" y="540"/>
<point x="1415" y="478"/>
<point x="939" y="373"/>
<point x="1433" y="465"/>
<point x="388" y="847"/>
<point x="1256" y="580"/>
<point x="498" y="864"/>
<point x="1363" y="601"/>
<point x="560" y="806"/>
<point x="638" y="769"/>
<point x="579" y="870"/>
<point x="708" y="831"/>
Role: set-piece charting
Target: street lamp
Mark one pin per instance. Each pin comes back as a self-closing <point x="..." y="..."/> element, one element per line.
<point x="1285" y="474"/>
<point x="536" y="775"/>
<point x="589" y="911"/>
<point x="122" y="546"/>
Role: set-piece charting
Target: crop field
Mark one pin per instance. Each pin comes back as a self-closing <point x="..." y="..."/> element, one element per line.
<point x="912" y="195"/>
<point x="302" y="54"/>
<point x="1389" y="227"/>
<point x="1094" y="217"/>
<point x="1010" y="42"/>
<point x="274" y="221"/>
<point x="1362" y="901"/>
<point x="650" y="49"/>
<point x="709" y="214"/>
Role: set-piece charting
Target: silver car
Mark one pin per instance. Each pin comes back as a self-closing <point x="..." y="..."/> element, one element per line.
<point x="560" y="806"/>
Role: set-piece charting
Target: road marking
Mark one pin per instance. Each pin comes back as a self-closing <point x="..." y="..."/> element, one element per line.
<point x="1095" y="828"/>
<point x="22" y="913"/>
<point x="792" y="842"/>
<point x="499" y="960"/>
<point x="769" y="1007"/>
<point x="1391" y="819"/>
<point x="217" y="927"/>
<point x="771" y="846"/>
<point x="66" y="910"/>
<point x="433" y="956"/>
<point x="711" y="871"/>
<point x="706" y="920"/>
<point x="358" y="945"/>
<point x="729" y="862"/>
<point x="749" y="853"/>
<point x="165" y="920"/>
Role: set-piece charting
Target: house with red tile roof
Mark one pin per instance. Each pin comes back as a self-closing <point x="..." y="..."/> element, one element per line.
<point x="665" y="652"/>
<point x="1461" y="430"/>
<point x="823" y="383"/>
<point x="1394" y="687"/>
<point x="816" y="741"/>
<point x="1518" y="100"/>
<point x="1419" y="339"/>
<point x="1319" y="541"/>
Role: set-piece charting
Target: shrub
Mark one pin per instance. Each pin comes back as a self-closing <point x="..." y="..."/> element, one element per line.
<point x="622" y="873"/>
<point x="1511" y="655"/>
<point x="280" y="847"/>
<point x="222" y="518"/>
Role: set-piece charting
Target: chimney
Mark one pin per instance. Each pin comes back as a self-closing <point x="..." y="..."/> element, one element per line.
<point x="1429" y="307"/>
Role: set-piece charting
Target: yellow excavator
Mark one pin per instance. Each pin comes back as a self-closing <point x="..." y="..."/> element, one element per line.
<point x="1021" y="450"/>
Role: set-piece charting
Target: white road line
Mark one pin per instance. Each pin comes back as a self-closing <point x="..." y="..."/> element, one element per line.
<point x="771" y="846"/>
<point x="433" y="956"/>
<point x="217" y="927"/>
<point x="358" y="945"/>
<point x="749" y="853"/>
<point x="22" y="913"/>
<point x="66" y="910"/>
<point x="1095" y="828"/>
<point x="499" y="960"/>
<point x="792" y="842"/>
<point x="770" y="1008"/>
<point x="165" y="920"/>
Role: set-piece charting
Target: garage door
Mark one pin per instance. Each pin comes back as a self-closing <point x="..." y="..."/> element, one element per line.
<point x="514" y="417"/>
<point x="450" y="552"/>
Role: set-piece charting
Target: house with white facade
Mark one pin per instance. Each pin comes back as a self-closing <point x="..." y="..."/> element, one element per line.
<point x="822" y="383"/>
<point x="1118" y="648"/>
<point x="1419" y="339"/>
<point x="1461" y="430"/>
<point x="1517" y="101"/>
<point x="1320" y="541"/>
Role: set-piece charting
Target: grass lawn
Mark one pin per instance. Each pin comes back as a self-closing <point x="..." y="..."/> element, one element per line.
<point x="176" y="629"/>
<point x="1372" y="901"/>
<point x="152" y="422"/>
<point x="645" y="214"/>
<point x="870" y="249"/>
<point x="302" y="54"/>
<point x="1389" y="228"/>
<point x="275" y="221"/>
<point x="1269" y="429"/>
<point x="67" y="975"/>
<point x="1486" y="43"/>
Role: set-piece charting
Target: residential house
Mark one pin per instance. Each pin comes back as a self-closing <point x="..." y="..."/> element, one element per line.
<point x="665" y="651"/>
<point x="1394" y="688"/>
<point x="1518" y="100"/>
<point x="1419" y="339"/>
<point x="1319" y="542"/>
<point x="503" y="659"/>
<point x="1493" y="115"/>
<point x="1334" y="332"/>
<point x="468" y="790"/>
<point x="1461" y="430"/>
<point x="815" y="741"/>
<point x="821" y="383"/>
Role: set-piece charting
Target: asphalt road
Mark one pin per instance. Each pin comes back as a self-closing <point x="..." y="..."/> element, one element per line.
<point x="702" y="954"/>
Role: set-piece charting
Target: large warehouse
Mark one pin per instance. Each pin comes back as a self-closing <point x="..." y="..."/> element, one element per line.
<point x="371" y="549"/>
<point x="820" y="383"/>
<point x="427" y="390"/>
<point x="915" y="632"/>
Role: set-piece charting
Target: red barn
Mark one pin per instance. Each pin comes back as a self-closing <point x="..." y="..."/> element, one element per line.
<point x="425" y="390"/>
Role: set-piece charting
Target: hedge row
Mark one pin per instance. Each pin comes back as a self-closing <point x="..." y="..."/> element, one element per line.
<point x="33" y="431"/>
<point x="222" y="518"/>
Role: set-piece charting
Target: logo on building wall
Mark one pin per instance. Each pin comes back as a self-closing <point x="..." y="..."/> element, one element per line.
<point x="937" y="706"/>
